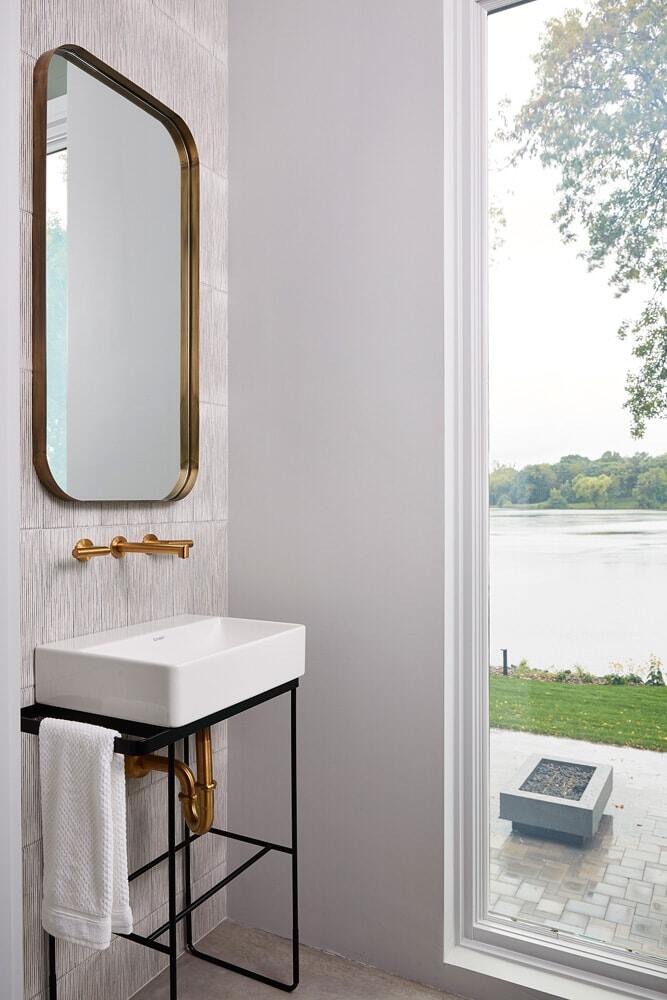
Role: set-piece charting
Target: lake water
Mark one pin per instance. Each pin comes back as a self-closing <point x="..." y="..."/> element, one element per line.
<point x="579" y="587"/>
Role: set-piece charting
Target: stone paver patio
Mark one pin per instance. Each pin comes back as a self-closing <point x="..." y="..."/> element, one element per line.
<point x="615" y="889"/>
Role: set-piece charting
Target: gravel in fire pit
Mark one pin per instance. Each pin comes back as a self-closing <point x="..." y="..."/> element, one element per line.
<point x="562" y="780"/>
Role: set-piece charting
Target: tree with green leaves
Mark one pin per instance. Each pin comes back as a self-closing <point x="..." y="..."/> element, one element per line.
<point x="598" y="114"/>
<point x="593" y="489"/>
<point x="651" y="489"/>
<point x="501" y="480"/>
<point x="533" y="484"/>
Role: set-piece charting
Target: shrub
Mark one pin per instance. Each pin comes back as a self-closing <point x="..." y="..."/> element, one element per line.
<point x="523" y="668"/>
<point x="630" y="679"/>
<point x="654" y="676"/>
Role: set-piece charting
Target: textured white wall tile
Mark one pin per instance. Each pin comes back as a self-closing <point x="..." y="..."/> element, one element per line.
<point x="213" y="345"/>
<point x="94" y="26"/>
<point x="168" y="7"/>
<point x="210" y="913"/>
<point x="68" y="514"/>
<point x="211" y="851"/>
<point x="25" y="291"/>
<point x="210" y="496"/>
<point x="219" y="736"/>
<point x="211" y="26"/>
<point x="34" y="21"/>
<point x="160" y="513"/>
<point x="34" y="953"/>
<point x="143" y="844"/>
<point x="31" y="824"/>
<point x="140" y="28"/>
<point x="32" y="601"/>
<point x="208" y="593"/>
<point x="152" y="582"/>
<point x="207" y="82"/>
<point x="213" y="229"/>
<point x="169" y="58"/>
<point x="175" y="50"/>
<point x="180" y="11"/>
<point x="25" y="149"/>
<point x="32" y="498"/>
<point x="27" y="696"/>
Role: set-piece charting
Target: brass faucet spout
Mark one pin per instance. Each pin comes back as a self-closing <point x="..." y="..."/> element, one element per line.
<point x="149" y="546"/>
<point x="181" y="545"/>
<point x="197" y="795"/>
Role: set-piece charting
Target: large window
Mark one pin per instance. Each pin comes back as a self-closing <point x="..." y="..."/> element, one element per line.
<point x="558" y="465"/>
<point x="578" y="483"/>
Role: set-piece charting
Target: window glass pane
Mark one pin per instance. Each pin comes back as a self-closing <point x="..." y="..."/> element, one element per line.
<point x="578" y="490"/>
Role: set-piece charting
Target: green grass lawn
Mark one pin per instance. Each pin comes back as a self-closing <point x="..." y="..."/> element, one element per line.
<point x="624" y="716"/>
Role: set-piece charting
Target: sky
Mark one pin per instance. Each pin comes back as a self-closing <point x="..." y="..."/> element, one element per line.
<point x="557" y="368"/>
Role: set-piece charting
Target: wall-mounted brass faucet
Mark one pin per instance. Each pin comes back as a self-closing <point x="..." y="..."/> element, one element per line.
<point x="85" y="549"/>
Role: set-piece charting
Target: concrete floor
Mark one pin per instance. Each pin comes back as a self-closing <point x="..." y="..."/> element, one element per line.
<point x="323" y="977"/>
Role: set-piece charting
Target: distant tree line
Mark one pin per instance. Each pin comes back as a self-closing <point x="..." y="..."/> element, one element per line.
<point x="611" y="481"/>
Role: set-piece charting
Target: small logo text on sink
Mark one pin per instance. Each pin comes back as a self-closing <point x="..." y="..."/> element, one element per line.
<point x="157" y="638"/>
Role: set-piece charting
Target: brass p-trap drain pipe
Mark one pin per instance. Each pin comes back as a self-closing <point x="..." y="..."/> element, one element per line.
<point x="197" y="796"/>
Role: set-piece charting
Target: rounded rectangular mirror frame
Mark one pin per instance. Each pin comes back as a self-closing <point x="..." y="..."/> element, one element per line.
<point x="189" y="366"/>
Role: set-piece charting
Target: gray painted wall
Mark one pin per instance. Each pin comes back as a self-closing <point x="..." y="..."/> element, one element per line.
<point x="336" y="472"/>
<point x="177" y="51"/>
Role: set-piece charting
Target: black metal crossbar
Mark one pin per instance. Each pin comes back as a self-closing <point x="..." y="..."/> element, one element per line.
<point x="156" y="861"/>
<point x="139" y="738"/>
<point x="146" y="942"/>
<point x="246" y="840"/>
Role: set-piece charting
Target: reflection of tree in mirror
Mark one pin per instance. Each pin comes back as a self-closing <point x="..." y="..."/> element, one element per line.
<point x="598" y="114"/>
<point x="56" y="347"/>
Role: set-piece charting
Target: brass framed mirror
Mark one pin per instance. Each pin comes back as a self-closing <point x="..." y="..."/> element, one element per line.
<point x="115" y="287"/>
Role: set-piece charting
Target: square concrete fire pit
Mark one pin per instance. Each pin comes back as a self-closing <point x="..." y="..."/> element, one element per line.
<point x="557" y="799"/>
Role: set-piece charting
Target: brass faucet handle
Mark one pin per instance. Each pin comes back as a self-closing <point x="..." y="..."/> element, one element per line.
<point x="117" y="546"/>
<point x="85" y="550"/>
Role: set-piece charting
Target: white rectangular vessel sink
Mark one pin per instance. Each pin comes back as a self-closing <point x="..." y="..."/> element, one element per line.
<point x="169" y="672"/>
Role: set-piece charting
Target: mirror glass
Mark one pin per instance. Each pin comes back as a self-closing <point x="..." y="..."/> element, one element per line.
<point x="115" y="318"/>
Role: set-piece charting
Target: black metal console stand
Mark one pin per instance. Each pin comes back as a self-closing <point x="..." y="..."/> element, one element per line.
<point x="140" y="739"/>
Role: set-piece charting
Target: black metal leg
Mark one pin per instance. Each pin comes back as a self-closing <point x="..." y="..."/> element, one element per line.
<point x="53" y="974"/>
<point x="173" y="953"/>
<point x="258" y="977"/>
<point x="295" y="866"/>
<point x="187" y="862"/>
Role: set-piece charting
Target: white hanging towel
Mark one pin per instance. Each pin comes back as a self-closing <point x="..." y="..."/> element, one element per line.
<point x="86" y="891"/>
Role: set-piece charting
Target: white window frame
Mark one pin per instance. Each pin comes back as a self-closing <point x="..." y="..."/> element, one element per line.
<point x="513" y="953"/>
